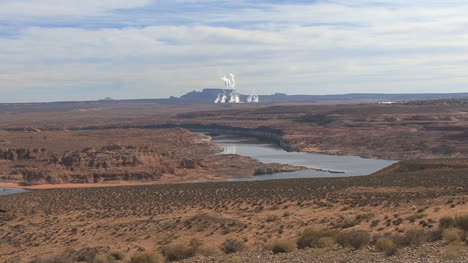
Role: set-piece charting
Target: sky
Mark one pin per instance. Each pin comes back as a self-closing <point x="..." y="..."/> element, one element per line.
<point x="60" y="50"/>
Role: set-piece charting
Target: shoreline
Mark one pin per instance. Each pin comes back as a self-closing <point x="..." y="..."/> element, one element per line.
<point x="61" y="186"/>
<point x="269" y="134"/>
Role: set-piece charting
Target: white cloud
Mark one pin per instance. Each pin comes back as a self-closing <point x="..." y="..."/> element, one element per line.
<point x="47" y="8"/>
<point x="345" y="46"/>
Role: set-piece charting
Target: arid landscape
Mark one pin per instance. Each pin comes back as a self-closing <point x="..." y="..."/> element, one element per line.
<point x="159" y="188"/>
<point x="207" y="131"/>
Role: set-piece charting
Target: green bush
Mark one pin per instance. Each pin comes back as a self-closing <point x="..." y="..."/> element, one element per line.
<point x="452" y="234"/>
<point x="147" y="257"/>
<point x="230" y="246"/>
<point x="310" y="237"/>
<point x="386" y="245"/>
<point x="283" y="246"/>
<point x="178" y="252"/>
<point x="356" y="238"/>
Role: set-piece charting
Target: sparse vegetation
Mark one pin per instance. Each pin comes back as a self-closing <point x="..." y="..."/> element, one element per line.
<point x="461" y="221"/>
<point x="116" y="254"/>
<point x="147" y="257"/>
<point x="356" y="238"/>
<point x="231" y="245"/>
<point x="283" y="246"/>
<point x="446" y="222"/>
<point x="178" y="252"/>
<point x="171" y="214"/>
<point x="454" y="249"/>
<point x="412" y="237"/>
<point x="102" y="258"/>
<point x="311" y="238"/>
<point x="386" y="245"/>
<point x="452" y="234"/>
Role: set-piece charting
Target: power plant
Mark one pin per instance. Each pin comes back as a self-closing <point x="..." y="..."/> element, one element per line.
<point x="230" y="91"/>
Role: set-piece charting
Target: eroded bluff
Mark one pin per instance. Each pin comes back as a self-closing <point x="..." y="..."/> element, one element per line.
<point x="111" y="162"/>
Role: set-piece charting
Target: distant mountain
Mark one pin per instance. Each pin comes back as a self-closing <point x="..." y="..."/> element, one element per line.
<point x="209" y="95"/>
<point x="106" y="99"/>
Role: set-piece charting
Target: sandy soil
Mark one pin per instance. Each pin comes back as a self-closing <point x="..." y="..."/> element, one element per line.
<point x="131" y="218"/>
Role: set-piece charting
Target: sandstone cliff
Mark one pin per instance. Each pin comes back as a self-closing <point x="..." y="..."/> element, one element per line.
<point x="111" y="162"/>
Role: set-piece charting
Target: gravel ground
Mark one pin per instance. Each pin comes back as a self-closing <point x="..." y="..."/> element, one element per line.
<point x="428" y="253"/>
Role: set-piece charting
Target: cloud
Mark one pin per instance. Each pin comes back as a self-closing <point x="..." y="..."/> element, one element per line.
<point x="164" y="48"/>
<point x="47" y="8"/>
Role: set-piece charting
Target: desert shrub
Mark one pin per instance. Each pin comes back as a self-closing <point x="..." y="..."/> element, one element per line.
<point x="461" y="222"/>
<point x="38" y="260"/>
<point x="446" y="222"/>
<point x="283" y="246"/>
<point x="231" y="245"/>
<point x="195" y="244"/>
<point x="452" y="234"/>
<point x="102" y="258"/>
<point x="386" y="245"/>
<point x="326" y="242"/>
<point x="147" y="257"/>
<point x="454" y="249"/>
<point x="412" y="237"/>
<point x="116" y="254"/>
<point x="62" y="258"/>
<point x="356" y="238"/>
<point x="178" y="252"/>
<point x="434" y="235"/>
<point x="310" y="237"/>
<point x="207" y="251"/>
<point x="86" y="254"/>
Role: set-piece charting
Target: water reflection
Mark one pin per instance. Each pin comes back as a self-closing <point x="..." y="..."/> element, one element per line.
<point x="268" y="153"/>
<point x="229" y="148"/>
<point x="9" y="191"/>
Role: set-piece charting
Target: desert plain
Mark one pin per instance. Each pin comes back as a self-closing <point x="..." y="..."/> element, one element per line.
<point x="114" y="180"/>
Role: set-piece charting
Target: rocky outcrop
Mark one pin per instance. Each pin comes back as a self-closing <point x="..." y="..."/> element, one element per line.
<point x="23" y="154"/>
<point x="111" y="162"/>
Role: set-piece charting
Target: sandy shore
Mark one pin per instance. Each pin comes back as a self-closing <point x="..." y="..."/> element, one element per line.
<point x="168" y="179"/>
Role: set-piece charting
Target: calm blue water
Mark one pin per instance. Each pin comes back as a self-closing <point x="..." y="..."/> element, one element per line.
<point x="269" y="153"/>
<point x="9" y="191"/>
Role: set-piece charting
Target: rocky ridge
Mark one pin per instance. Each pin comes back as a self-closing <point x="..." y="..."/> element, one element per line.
<point x="111" y="162"/>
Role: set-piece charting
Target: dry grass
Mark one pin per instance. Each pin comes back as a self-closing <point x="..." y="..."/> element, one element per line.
<point x="230" y="246"/>
<point x="178" y="252"/>
<point x="386" y="245"/>
<point x="356" y="239"/>
<point x="316" y="238"/>
<point x="454" y="249"/>
<point x="452" y="234"/>
<point x="147" y="257"/>
<point x="282" y="246"/>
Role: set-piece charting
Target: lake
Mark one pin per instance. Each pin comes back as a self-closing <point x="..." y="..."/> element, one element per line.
<point x="269" y="153"/>
<point x="9" y="191"/>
